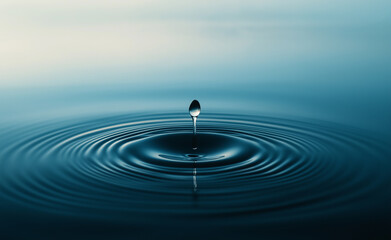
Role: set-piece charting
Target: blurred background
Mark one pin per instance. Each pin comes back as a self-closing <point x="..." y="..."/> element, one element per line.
<point x="328" y="60"/>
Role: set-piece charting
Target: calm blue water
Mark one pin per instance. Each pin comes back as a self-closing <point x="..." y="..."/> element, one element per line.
<point x="293" y="140"/>
<point x="252" y="173"/>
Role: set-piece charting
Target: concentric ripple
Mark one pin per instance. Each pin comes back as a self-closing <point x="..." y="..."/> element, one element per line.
<point x="146" y="163"/>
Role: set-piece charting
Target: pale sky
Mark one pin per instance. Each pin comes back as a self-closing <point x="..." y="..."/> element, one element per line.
<point x="40" y="40"/>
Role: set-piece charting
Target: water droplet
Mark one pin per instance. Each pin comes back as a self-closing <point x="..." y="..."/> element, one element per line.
<point x="194" y="110"/>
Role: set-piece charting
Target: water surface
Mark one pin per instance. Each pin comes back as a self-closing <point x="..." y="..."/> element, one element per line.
<point x="141" y="170"/>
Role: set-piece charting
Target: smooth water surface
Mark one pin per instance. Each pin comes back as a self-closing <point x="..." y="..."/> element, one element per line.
<point x="142" y="170"/>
